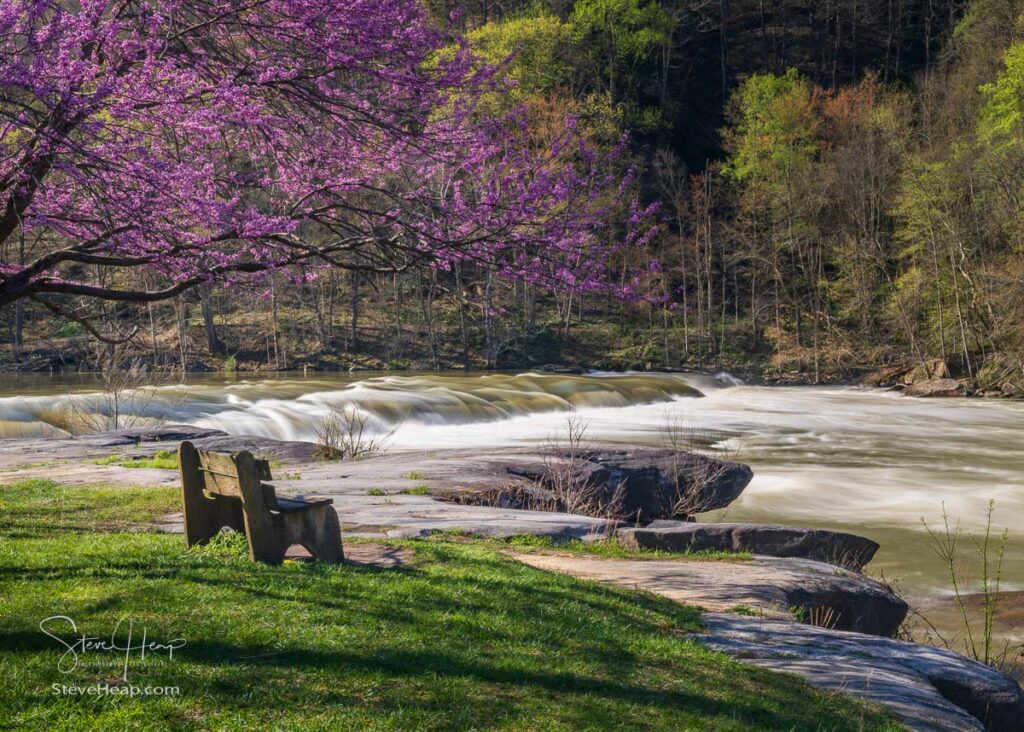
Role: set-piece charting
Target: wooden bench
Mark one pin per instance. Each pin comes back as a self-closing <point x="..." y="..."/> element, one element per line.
<point x="230" y="490"/>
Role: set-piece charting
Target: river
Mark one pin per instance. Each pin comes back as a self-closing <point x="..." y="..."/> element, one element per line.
<point x="868" y="461"/>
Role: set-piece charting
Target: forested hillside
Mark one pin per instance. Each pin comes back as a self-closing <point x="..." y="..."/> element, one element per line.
<point x="838" y="185"/>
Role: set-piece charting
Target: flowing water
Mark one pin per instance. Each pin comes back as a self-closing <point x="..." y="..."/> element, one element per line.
<point x="867" y="461"/>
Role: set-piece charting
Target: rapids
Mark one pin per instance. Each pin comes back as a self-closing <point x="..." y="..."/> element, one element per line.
<point x="861" y="460"/>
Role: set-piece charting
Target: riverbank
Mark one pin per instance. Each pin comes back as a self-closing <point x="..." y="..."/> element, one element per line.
<point x="454" y="636"/>
<point x="390" y="497"/>
<point x="594" y="344"/>
<point x="865" y="461"/>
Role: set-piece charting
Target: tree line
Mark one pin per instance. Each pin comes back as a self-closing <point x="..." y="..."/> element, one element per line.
<point x="837" y="186"/>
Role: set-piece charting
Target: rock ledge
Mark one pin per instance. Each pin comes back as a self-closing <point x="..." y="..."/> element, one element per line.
<point x="927" y="688"/>
<point x="844" y="550"/>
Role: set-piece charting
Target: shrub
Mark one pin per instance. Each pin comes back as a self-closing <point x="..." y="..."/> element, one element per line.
<point x="344" y="434"/>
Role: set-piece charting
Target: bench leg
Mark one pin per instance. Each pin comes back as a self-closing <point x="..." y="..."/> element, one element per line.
<point x="203" y="517"/>
<point x="323" y="535"/>
<point x="265" y="535"/>
<point x="265" y="549"/>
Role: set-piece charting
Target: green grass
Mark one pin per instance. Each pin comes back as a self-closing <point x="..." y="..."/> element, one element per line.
<point x="419" y="490"/>
<point x="165" y="459"/>
<point x="376" y="492"/>
<point x="168" y="460"/>
<point x="461" y="637"/>
<point x="415" y="475"/>
<point x="746" y="610"/>
<point x="272" y="460"/>
<point x="612" y="549"/>
<point x="29" y="466"/>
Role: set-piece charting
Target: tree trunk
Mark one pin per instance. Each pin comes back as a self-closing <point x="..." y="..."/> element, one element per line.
<point x="354" y="313"/>
<point x="213" y="341"/>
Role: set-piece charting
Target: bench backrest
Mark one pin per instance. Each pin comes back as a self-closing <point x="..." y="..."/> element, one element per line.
<point x="236" y="476"/>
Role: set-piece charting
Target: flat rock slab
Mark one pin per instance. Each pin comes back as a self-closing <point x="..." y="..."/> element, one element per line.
<point x="646" y="475"/>
<point x="410" y="517"/>
<point x="776" y="587"/>
<point x="832" y="547"/>
<point x="927" y="688"/>
<point x="405" y="517"/>
<point x="391" y="514"/>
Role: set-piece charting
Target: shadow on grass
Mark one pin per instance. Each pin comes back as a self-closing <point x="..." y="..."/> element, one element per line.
<point x="227" y="675"/>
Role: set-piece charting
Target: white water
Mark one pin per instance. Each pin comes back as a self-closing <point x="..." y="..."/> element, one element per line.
<point x="868" y="461"/>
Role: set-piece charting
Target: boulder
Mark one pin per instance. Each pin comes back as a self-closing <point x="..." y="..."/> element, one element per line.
<point x="884" y="377"/>
<point x="137" y="436"/>
<point x="844" y="550"/>
<point x="558" y="368"/>
<point x="649" y="483"/>
<point x="151" y="439"/>
<point x="264" y="447"/>
<point x="924" y="371"/>
<point x="937" y="388"/>
<point x="927" y="688"/>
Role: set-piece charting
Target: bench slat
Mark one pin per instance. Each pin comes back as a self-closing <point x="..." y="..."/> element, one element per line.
<point x="289" y="504"/>
<point x="220" y="483"/>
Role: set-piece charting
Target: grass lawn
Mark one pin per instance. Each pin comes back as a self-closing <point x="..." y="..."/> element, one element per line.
<point x="611" y="549"/>
<point x="461" y="637"/>
<point x="161" y="459"/>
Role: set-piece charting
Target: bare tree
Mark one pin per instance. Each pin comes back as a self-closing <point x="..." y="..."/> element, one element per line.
<point x="344" y="434"/>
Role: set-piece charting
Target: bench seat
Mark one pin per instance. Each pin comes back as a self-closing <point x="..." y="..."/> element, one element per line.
<point x="290" y="504"/>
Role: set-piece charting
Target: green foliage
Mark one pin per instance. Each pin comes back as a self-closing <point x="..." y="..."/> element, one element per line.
<point x="1002" y="116"/>
<point x="230" y="364"/>
<point x="68" y="329"/>
<point x="1000" y="132"/>
<point x="163" y="459"/>
<point x="35" y="509"/>
<point x="461" y="638"/>
<point x="775" y="128"/>
<point x="273" y="461"/>
<point x="376" y="492"/>
<point x="419" y="490"/>
<point x="225" y="546"/>
<point x="535" y="48"/>
<point x="618" y="39"/>
<point x="33" y="487"/>
<point x="629" y="29"/>
<point x="649" y="119"/>
<point x="924" y="199"/>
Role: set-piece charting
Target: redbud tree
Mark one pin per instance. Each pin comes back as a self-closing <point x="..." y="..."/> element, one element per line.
<point x="195" y="141"/>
